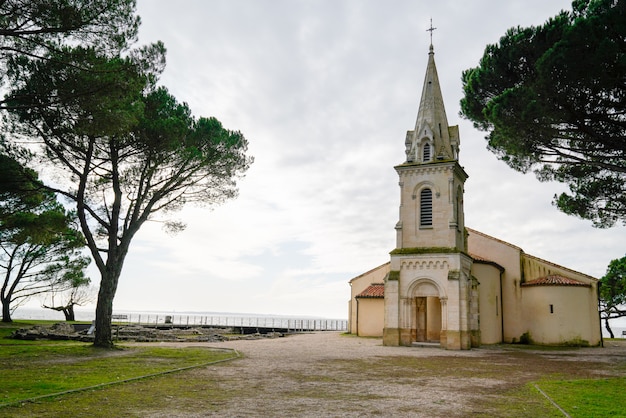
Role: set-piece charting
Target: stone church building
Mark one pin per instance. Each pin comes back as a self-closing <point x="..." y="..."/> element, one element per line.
<point x="452" y="285"/>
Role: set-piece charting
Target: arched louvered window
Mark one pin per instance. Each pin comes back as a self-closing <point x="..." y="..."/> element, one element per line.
<point x="426" y="152"/>
<point x="426" y="207"/>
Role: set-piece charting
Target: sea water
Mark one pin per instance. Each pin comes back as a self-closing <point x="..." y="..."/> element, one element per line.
<point x="192" y="318"/>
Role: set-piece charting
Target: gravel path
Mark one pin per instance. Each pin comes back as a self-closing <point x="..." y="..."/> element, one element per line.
<point x="327" y="374"/>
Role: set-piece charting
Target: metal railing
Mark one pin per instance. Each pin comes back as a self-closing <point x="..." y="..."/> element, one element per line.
<point x="292" y="324"/>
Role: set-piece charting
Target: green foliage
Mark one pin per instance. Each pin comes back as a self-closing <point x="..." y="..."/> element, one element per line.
<point x="40" y="248"/>
<point x="123" y="148"/>
<point x="77" y="92"/>
<point x="33" y="29"/>
<point x="20" y="188"/>
<point x="612" y="290"/>
<point x="553" y="99"/>
<point x="613" y="283"/>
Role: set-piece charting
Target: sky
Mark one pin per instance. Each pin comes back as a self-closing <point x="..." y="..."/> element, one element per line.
<point x="324" y="91"/>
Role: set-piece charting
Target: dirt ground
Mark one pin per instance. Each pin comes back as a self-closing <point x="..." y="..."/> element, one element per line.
<point x="327" y="374"/>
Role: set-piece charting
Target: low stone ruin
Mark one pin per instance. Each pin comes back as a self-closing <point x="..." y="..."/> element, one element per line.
<point x="138" y="333"/>
<point x="58" y="331"/>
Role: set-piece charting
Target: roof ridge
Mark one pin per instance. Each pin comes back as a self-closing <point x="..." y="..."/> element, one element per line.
<point x="369" y="271"/>
<point x="494" y="238"/>
<point x="555" y="280"/>
<point x="483" y="260"/>
<point x="560" y="266"/>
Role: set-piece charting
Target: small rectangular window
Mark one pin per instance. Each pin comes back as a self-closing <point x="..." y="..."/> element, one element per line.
<point x="497" y="307"/>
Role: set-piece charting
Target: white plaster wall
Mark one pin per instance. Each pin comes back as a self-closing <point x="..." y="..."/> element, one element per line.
<point x="371" y="317"/>
<point x="509" y="257"/>
<point x="359" y="284"/>
<point x="489" y="298"/>
<point x="572" y="318"/>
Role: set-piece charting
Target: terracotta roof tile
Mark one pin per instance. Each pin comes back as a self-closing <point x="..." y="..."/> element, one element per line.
<point x="559" y="266"/>
<point x="483" y="260"/>
<point x="554" y="280"/>
<point x="375" y="290"/>
<point x="478" y="258"/>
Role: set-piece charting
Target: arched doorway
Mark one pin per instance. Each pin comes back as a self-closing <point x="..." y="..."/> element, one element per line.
<point x="427" y="317"/>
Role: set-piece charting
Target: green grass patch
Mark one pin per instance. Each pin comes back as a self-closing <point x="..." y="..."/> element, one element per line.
<point x="38" y="369"/>
<point x="516" y="402"/>
<point x="181" y="394"/>
<point x="588" y="397"/>
<point x="488" y="382"/>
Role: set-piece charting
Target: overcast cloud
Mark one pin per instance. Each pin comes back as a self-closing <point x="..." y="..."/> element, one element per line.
<point x="325" y="91"/>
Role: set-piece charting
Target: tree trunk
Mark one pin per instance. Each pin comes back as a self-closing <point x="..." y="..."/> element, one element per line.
<point x="5" y="299"/>
<point x="104" y="306"/>
<point x="68" y="311"/>
<point x="608" y="328"/>
<point x="6" y="311"/>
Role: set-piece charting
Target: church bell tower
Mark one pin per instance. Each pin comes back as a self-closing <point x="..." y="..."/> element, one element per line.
<point x="431" y="179"/>
<point x="428" y="293"/>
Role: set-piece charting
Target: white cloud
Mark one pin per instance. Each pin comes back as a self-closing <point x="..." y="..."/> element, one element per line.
<point x="325" y="92"/>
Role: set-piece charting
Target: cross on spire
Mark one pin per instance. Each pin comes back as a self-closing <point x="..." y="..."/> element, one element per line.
<point x="431" y="29"/>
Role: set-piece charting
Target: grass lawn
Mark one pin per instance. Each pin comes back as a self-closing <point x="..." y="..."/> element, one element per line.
<point x="35" y="369"/>
<point x="588" y="397"/>
<point x="61" y="378"/>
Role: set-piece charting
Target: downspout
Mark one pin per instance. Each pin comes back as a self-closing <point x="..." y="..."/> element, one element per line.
<point x="357" y="316"/>
<point x="501" y="309"/>
<point x="599" y="313"/>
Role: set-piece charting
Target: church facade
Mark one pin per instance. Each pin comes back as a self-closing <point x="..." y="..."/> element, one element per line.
<point x="450" y="284"/>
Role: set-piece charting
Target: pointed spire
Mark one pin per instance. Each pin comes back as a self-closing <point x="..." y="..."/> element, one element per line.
<point x="432" y="139"/>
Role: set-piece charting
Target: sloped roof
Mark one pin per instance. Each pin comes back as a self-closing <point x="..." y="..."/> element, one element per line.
<point x="560" y="266"/>
<point x="375" y="290"/>
<point x="555" y="280"/>
<point x="508" y="244"/>
<point x="523" y="254"/>
<point x="370" y="271"/>
<point x="479" y="259"/>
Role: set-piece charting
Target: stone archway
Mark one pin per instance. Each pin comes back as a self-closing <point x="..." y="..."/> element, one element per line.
<point x="427" y="311"/>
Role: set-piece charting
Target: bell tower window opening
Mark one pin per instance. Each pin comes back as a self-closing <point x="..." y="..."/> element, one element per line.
<point x="426" y="152"/>
<point x="459" y="208"/>
<point x="426" y="207"/>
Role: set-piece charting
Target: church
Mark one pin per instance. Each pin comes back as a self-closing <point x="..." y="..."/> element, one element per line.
<point x="454" y="286"/>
